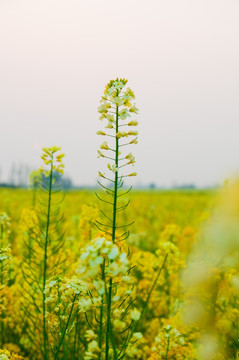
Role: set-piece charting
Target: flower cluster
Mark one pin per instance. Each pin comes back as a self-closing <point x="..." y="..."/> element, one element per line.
<point x="116" y="107"/>
<point x="49" y="157"/>
<point x="61" y="296"/>
<point x="170" y="343"/>
<point x="6" y="355"/>
<point x="94" y="255"/>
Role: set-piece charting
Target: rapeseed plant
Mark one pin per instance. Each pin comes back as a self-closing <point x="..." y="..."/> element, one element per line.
<point x="116" y="107"/>
<point x="5" y="260"/>
<point x="104" y="265"/>
<point x="43" y="255"/>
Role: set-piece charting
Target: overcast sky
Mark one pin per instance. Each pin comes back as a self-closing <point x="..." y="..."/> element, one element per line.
<point x="181" y="58"/>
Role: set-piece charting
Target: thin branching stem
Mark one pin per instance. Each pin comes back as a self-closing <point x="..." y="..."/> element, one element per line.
<point x="2" y="323"/>
<point x="45" y="264"/>
<point x="109" y="333"/>
<point x="167" y="350"/>
<point x="66" y="327"/>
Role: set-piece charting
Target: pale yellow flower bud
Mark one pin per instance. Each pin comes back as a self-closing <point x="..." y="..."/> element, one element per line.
<point x="133" y="123"/>
<point x="59" y="157"/>
<point x="134" y="109"/>
<point x="104" y="146"/>
<point x="101" y="133"/>
<point x="100" y="153"/>
<point x="135" y="314"/>
<point x="133" y="132"/>
<point x="101" y="175"/>
<point x="127" y="103"/>
<point x="55" y="148"/>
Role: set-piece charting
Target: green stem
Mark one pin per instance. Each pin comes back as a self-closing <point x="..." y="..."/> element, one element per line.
<point x="100" y="337"/>
<point x="45" y="355"/>
<point x="167" y="350"/>
<point x="116" y="175"/>
<point x="1" y="248"/>
<point x="60" y="320"/>
<point x="109" y="333"/>
<point x="2" y="323"/>
<point x="145" y="307"/>
<point x="67" y="325"/>
<point x="75" y="337"/>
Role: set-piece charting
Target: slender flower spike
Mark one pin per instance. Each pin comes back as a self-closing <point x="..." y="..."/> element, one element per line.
<point x="116" y="106"/>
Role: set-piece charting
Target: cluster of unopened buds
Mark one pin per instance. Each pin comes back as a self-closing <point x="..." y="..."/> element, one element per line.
<point x="49" y="157"/>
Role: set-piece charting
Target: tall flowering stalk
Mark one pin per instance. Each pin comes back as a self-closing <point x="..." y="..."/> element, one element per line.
<point x="116" y="108"/>
<point x="5" y="258"/>
<point x="54" y="163"/>
<point x="43" y="258"/>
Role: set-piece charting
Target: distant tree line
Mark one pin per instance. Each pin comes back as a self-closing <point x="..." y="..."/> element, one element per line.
<point x="18" y="177"/>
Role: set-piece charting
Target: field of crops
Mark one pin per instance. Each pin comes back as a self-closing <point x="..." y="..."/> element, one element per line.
<point x="165" y="223"/>
<point x="117" y="274"/>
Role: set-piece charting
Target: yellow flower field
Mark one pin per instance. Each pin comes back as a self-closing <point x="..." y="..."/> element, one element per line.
<point x="165" y="223"/>
<point x="117" y="274"/>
